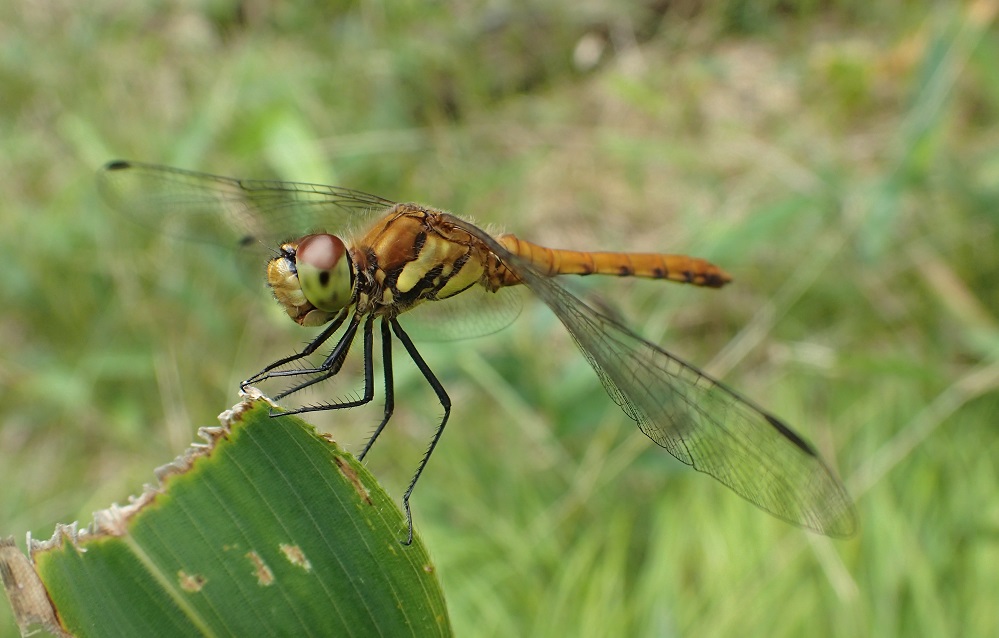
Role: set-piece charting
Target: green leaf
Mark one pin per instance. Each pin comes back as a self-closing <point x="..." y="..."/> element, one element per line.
<point x="270" y="529"/>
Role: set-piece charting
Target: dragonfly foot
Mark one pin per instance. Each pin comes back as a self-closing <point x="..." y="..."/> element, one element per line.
<point x="409" y="519"/>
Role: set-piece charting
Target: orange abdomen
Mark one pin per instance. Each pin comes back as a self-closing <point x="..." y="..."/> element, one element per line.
<point x="552" y="261"/>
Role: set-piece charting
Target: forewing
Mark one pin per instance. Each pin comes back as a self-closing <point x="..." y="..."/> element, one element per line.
<point x="224" y="210"/>
<point x="696" y="418"/>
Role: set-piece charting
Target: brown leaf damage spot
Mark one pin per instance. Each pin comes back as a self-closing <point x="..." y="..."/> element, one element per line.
<point x="296" y="556"/>
<point x="25" y="591"/>
<point x="265" y="577"/>
<point x="351" y="475"/>
<point x="191" y="582"/>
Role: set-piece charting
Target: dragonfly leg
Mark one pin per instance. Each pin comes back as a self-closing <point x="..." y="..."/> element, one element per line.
<point x="331" y="366"/>
<point x="328" y="368"/>
<point x="389" y="387"/>
<point x="311" y="347"/>
<point x="445" y="402"/>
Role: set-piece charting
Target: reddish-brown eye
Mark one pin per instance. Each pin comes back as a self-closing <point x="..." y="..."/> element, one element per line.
<point x="320" y="251"/>
<point x="324" y="271"/>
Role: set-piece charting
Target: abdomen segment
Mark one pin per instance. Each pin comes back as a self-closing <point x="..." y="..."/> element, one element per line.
<point x="553" y="261"/>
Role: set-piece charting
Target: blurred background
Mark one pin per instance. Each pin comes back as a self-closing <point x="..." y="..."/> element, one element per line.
<point x="839" y="158"/>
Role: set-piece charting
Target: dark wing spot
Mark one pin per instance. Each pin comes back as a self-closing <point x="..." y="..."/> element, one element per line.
<point x="790" y="435"/>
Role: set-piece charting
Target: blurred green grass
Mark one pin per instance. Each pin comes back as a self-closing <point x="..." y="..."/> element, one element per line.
<point x="847" y="174"/>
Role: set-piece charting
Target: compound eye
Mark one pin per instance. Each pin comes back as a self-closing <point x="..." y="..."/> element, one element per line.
<point x="324" y="271"/>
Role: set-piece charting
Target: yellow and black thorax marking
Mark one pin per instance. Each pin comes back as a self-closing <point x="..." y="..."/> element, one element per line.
<point x="413" y="255"/>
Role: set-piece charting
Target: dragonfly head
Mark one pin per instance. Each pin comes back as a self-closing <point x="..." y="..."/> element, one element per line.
<point x="312" y="278"/>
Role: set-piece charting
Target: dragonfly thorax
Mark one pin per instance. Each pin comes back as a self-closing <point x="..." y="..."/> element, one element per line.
<point x="312" y="278"/>
<point x="415" y="255"/>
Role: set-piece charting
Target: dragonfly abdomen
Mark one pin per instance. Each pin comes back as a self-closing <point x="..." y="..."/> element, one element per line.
<point x="554" y="261"/>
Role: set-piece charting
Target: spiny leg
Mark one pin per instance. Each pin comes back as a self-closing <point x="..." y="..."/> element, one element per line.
<point x="389" y="387"/>
<point x="329" y="367"/>
<point x="311" y="347"/>
<point x="334" y="363"/>
<point x="445" y="402"/>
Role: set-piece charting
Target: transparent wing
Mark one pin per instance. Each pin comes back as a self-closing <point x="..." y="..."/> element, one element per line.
<point x="224" y="210"/>
<point x="255" y="215"/>
<point x="471" y="313"/>
<point x="696" y="418"/>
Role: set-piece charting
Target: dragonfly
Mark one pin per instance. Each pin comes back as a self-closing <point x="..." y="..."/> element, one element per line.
<point x="344" y="260"/>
